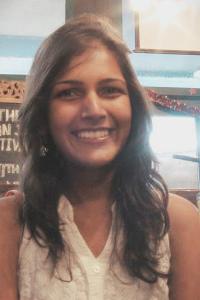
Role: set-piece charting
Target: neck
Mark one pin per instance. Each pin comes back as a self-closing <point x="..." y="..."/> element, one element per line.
<point x="89" y="185"/>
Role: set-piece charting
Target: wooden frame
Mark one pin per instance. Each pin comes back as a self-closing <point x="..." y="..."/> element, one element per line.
<point x="180" y="36"/>
<point x="11" y="91"/>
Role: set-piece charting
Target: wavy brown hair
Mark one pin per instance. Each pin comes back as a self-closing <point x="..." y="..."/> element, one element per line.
<point x="140" y="193"/>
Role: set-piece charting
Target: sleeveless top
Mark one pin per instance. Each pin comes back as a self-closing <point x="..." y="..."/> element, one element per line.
<point x="93" y="278"/>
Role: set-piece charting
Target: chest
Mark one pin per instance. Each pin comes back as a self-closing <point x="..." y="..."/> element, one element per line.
<point x="94" y="232"/>
<point x="93" y="277"/>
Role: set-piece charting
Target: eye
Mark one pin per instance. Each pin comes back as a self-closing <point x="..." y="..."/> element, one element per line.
<point x="68" y="93"/>
<point x="112" y="91"/>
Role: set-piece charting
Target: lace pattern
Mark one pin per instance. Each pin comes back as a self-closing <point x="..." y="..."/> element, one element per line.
<point x="37" y="282"/>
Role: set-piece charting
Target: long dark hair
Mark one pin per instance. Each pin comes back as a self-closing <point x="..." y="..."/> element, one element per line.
<point x="140" y="193"/>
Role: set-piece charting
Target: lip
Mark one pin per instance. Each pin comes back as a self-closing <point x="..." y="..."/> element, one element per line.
<point x="93" y="135"/>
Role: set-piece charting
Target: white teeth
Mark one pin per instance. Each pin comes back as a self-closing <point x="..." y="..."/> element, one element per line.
<point x="97" y="134"/>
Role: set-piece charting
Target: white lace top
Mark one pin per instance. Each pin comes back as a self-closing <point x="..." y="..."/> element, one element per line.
<point x="92" y="278"/>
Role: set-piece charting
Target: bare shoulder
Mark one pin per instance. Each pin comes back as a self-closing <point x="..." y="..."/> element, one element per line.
<point x="180" y="212"/>
<point x="185" y="249"/>
<point x="10" y="233"/>
<point x="14" y="197"/>
<point x="10" y="205"/>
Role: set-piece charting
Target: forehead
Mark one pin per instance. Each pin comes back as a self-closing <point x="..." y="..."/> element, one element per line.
<point x="97" y="59"/>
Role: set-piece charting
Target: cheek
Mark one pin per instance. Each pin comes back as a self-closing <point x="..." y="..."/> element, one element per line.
<point x="59" y="116"/>
<point x="126" y="118"/>
<point x="57" y="122"/>
<point x="54" y="123"/>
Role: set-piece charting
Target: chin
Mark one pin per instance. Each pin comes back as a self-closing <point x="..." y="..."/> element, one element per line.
<point x="93" y="163"/>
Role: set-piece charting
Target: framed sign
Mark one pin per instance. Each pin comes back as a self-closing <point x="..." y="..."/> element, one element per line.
<point x="168" y="27"/>
<point x="11" y="94"/>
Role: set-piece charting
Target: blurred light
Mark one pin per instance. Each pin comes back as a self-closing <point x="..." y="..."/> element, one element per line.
<point x="168" y="11"/>
<point x="196" y="74"/>
<point x="164" y="11"/>
<point x="141" y="5"/>
<point x="172" y="135"/>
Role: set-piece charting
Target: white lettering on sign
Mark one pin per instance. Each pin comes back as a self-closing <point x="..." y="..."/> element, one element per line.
<point x="9" y="145"/>
<point x="5" y="129"/>
<point x="8" y="115"/>
<point x="8" y="168"/>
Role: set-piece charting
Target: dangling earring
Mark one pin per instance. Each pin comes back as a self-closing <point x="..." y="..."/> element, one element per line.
<point x="43" y="151"/>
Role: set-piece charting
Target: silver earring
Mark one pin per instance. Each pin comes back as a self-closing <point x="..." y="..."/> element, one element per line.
<point x="43" y="151"/>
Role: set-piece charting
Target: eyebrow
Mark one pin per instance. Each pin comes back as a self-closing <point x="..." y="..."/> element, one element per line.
<point x="69" y="82"/>
<point x="78" y="82"/>
<point x="110" y="80"/>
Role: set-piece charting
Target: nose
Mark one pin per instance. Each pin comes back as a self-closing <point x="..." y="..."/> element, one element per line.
<point x="92" y="107"/>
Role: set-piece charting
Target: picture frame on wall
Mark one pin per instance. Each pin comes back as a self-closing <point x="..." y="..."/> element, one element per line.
<point x="168" y="27"/>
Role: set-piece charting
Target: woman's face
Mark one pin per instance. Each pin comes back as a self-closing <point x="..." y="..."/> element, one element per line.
<point x="90" y="110"/>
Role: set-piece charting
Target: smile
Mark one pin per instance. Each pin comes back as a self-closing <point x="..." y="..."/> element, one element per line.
<point x="91" y="134"/>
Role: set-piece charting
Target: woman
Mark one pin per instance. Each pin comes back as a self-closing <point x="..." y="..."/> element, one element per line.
<point x="97" y="220"/>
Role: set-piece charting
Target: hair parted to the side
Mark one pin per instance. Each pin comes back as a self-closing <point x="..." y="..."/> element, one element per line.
<point x="140" y="193"/>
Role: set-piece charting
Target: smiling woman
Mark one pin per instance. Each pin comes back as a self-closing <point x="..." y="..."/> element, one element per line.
<point x="97" y="221"/>
<point x="90" y="112"/>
